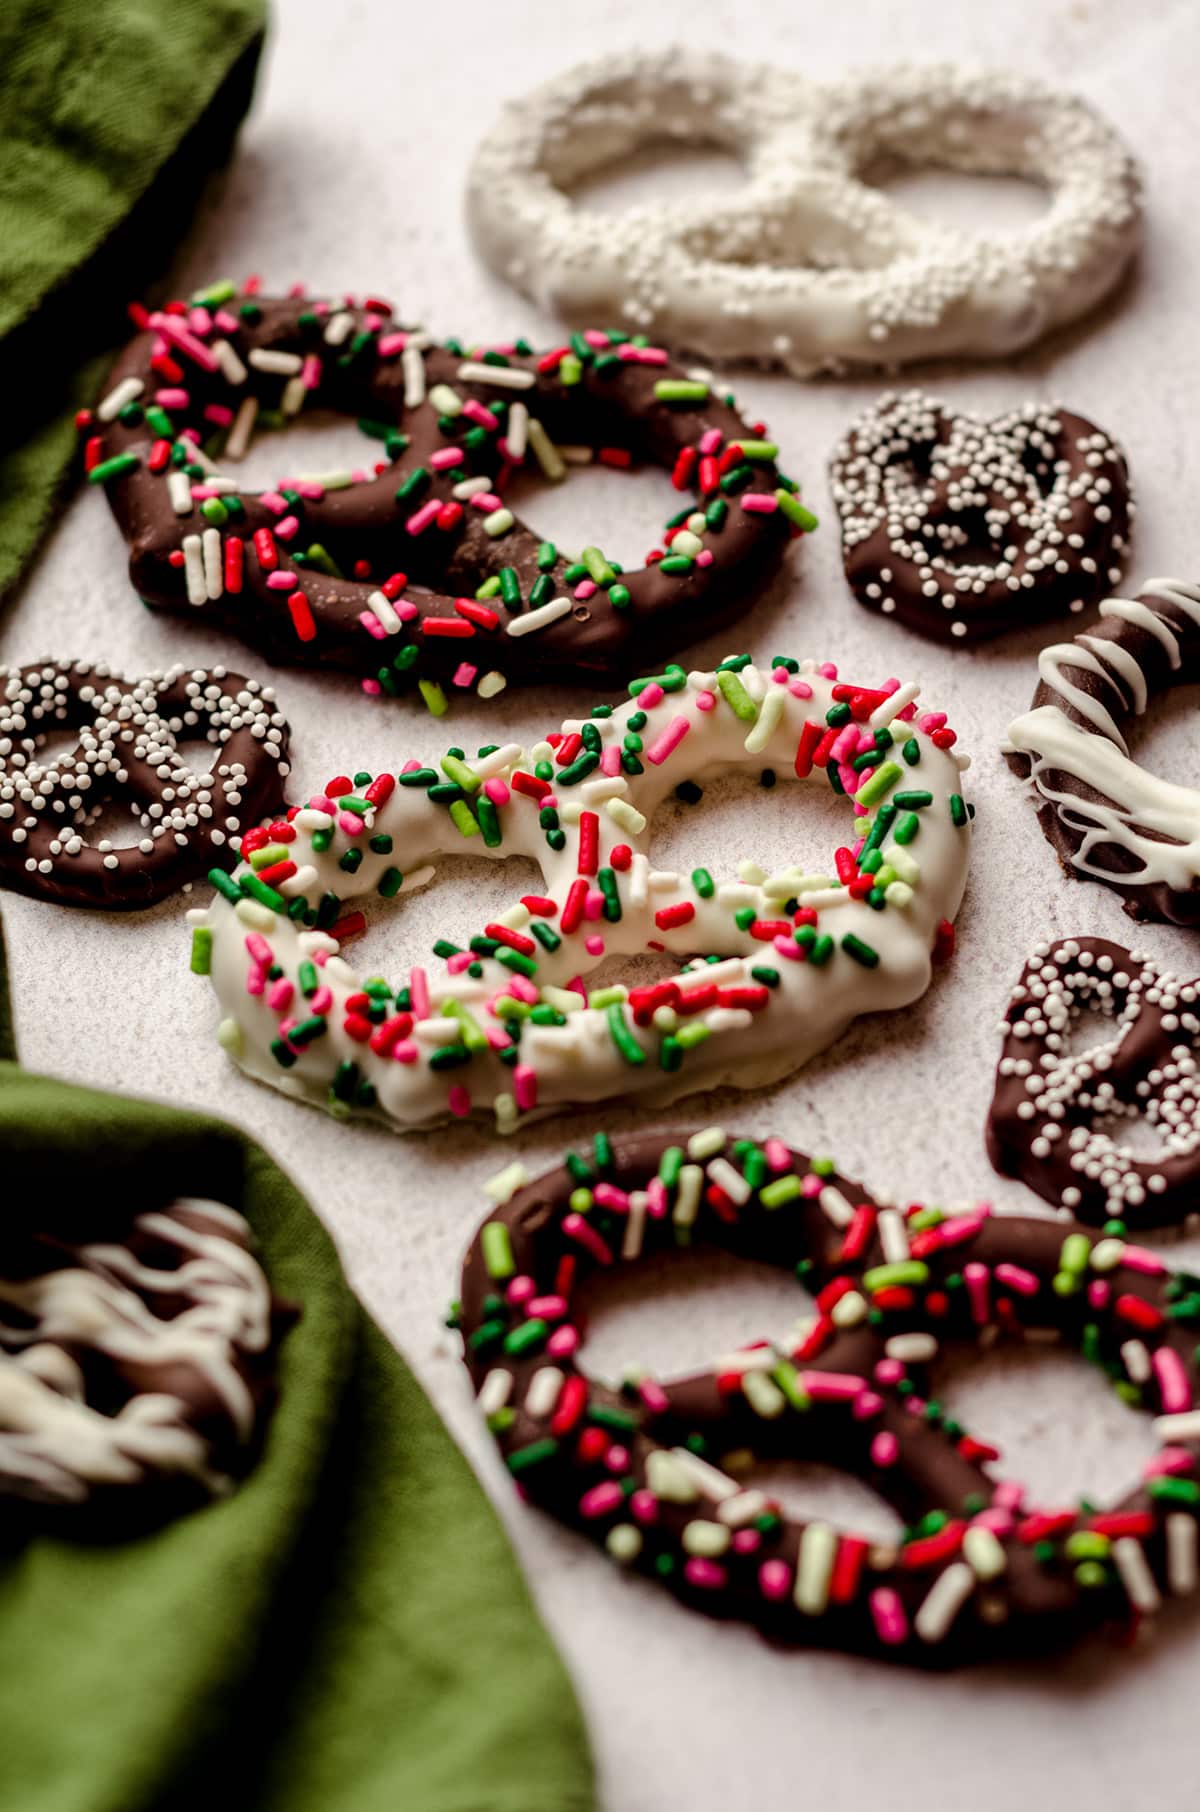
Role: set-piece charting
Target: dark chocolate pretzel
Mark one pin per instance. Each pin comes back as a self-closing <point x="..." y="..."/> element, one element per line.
<point x="1057" y="1113"/>
<point x="132" y="735"/>
<point x="136" y="1367"/>
<point x="644" y="1468"/>
<point x="963" y="528"/>
<point x="1108" y="818"/>
<point x="416" y="572"/>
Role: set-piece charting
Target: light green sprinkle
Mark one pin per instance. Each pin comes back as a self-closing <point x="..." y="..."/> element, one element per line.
<point x="497" y="1250"/>
<point x="881" y="781"/>
<point x="460" y="774"/>
<point x="201" y="950"/>
<point x="435" y="699"/>
<point x="681" y="390"/>
<point x="795" y="511"/>
<point x="464" y="819"/>
<point x="737" y="697"/>
<point x="498" y="523"/>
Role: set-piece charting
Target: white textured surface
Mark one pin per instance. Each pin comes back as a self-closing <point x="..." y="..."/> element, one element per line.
<point x="349" y="176"/>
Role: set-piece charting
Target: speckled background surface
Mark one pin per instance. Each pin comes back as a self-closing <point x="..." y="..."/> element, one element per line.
<point x="349" y="176"/>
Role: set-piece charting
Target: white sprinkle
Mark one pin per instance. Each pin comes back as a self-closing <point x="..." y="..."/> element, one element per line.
<point x="503" y="377"/>
<point x="943" y="1602"/>
<point x="127" y="391"/>
<point x="541" y="618"/>
<point x="282" y="364"/>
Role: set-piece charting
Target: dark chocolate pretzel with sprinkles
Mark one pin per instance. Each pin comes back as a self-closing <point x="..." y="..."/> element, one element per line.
<point x="647" y="1469"/>
<point x="1106" y="817"/>
<point x="415" y="572"/>
<point x="130" y="753"/>
<point x="963" y="528"/>
<point x="1059" y="1115"/>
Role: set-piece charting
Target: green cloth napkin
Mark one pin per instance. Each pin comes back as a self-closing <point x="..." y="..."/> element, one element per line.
<point x="113" y="114"/>
<point x="349" y="1632"/>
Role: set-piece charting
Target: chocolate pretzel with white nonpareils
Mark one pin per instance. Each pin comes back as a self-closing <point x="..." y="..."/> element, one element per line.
<point x="963" y="528"/>
<point x="1106" y="817"/>
<point x="1061" y="1118"/>
<point x="661" y="1472"/>
<point x="413" y="571"/>
<point x="131" y="753"/>
<point x="137" y="1366"/>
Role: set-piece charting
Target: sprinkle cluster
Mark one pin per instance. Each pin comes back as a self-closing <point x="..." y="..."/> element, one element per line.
<point x="661" y="1473"/>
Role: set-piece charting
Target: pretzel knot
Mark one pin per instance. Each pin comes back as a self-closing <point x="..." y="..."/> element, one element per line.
<point x="136" y="1368"/>
<point x="963" y="528"/>
<point x="661" y="1473"/>
<point x="414" y="572"/>
<point x="810" y="264"/>
<point x="129" y="755"/>
<point x="1063" y="1118"/>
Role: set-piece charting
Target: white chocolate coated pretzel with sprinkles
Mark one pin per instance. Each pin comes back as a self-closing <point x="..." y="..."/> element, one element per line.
<point x="661" y="1472"/>
<point x="772" y="968"/>
<point x="810" y="265"/>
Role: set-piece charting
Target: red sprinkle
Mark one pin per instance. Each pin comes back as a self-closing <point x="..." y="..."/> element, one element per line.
<point x="621" y="857"/>
<point x="529" y="784"/>
<point x="447" y="626"/>
<point x="1137" y="1311"/>
<point x="235" y="558"/>
<point x="573" y="906"/>
<point x="302" y="616"/>
<point x="683" y="468"/>
<point x="667" y="918"/>
<point x="589" y="843"/>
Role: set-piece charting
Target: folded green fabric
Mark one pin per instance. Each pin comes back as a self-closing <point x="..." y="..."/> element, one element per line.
<point x="349" y="1632"/>
<point x="113" y="114"/>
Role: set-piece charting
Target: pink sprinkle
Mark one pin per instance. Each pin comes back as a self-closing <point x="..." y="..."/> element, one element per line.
<point x="1000" y="1522"/>
<point x="747" y="1541"/>
<point x="1016" y="1277"/>
<point x="372" y="688"/>
<point x="710" y="440"/>
<point x="497" y="1037"/>
<point x="641" y="355"/>
<point x="225" y="321"/>
<point x="521" y="988"/>
<point x="1098" y="1293"/>
<point x="446" y="457"/>
<point x="476" y="412"/>
<point x="219" y="413"/>
<point x="459" y="1101"/>
<point x="562" y="1342"/>
<point x="319" y="803"/>
<point x="828" y="670"/>
<point x="281" y="581"/>
<point x="322" y="1000"/>
<point x="418" y="989"/>
<point x="1136" y="1258"/>
<point x="520" y="1290"/>
<point x="650" y="695"/>
<point x="788" y="948"/>
<point x="464" y="674"/>
<point x="668" y="741"/>
<point x="610" y="760"/>
<point x="888" y="1371"/>
<point x="644" y="1507"/>
<point x="351" y="823"/>
<point x="259" y="949"/>
<point x="406" y="1051"/>
<point x="656" y="1199"/>
<point x="759" y="503"/>
<point x="256" y="980"/>
<point x="372" y="625"/>
<point x="586" y="588"/>
<point x="867" y="1404"/>
<point x="389" y="344"/>
<point x="1008" y="1495"/>
<point x="774" y="1576"/>
<point x="594" y="945"/>
<point x="485" y="501"/>
<point x="420" y="519"/>
<point x="832" y="1387"/>
<point x="885" y="1448"/>
<point x="286" y="529"/>
<point x="172" y="329"/>
<point x="595" y="338"/>
<point x="172" y="399"/>
<point x="1169" y="1460"/>
<point x="1173" y="1386"/>
<point x="497" y="791"/>
<point x="653" y="1396"/>
<point x="891" y="1625"/>
<point x="310" y="372"/>
<point x="274" y="502"/>
<point x="778" y="1156"/>
<point x="975" y="1276"/>
<point x="406" y="611"/>
<point x="462" y="959"/>
<point x="547" y="1308"/>
<point x="704" y="557"/>
<point x="706" y="701"/>
<point x="525" y="1086"/>
<point x="280" y="997"/>
<point x="700" y="1572"/>
<point x="609" y="1196"/>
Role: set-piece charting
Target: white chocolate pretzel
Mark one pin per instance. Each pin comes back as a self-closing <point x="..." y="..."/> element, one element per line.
<point x="810" y="265"/>
<point x="771" y="968"/>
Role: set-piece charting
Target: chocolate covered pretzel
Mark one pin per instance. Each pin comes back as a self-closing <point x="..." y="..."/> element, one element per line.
<point x="661" y="1473"/>
<point x="413" y="571"/>
<point x="136" y="1366"/>
<point x="131" y="753"/>
<point x="962" y="528"/>
<point x="1106" y="816"/>
<point x="1059" y="1115"/>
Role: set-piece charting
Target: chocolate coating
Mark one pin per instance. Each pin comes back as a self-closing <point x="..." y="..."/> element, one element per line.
<point x="964" y="528"/>
<point x="978" y="1573"/>
<point x="1056" y="1114"/>
<point x="1141" y="837"/>
<point x="368" y="533"/>
<point x="130" y="753"/>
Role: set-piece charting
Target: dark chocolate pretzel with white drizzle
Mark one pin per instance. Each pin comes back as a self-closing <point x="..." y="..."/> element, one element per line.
<point x="415" y="572"/>
<point x="639" y="1468"/>
<point x="1107" y="817"/>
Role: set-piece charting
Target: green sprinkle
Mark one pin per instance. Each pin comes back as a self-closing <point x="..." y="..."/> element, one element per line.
<point x="783" y="1189"/>
<point x="510" y="587"/>
<point x="522" y="1458"/>
<point x="620" y="597"/>
<point x="308" y="1029"/>
<point x="703" y="883"/>
<point x="737" y="697"/>
<point x="907" y="828"/>
<point x="795" y="511"/>
<point x="266" y="896"/>
<point x="911" y="752"/>
<point x="390" y="883"/>
<point x="887" y="1277"/>
<point x="435" y="698"/>
<point x="862" y="953"/>
<point x="958" y="810"/>
<point x="622" y="1037"/>
<point x="116" y="467"/>
<point x="416" y="482"/>
<point x="680" y="390"/>
<point x="821" y="951"/>
<point x="225" y="884"/>
<point x="547" y="557"/>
